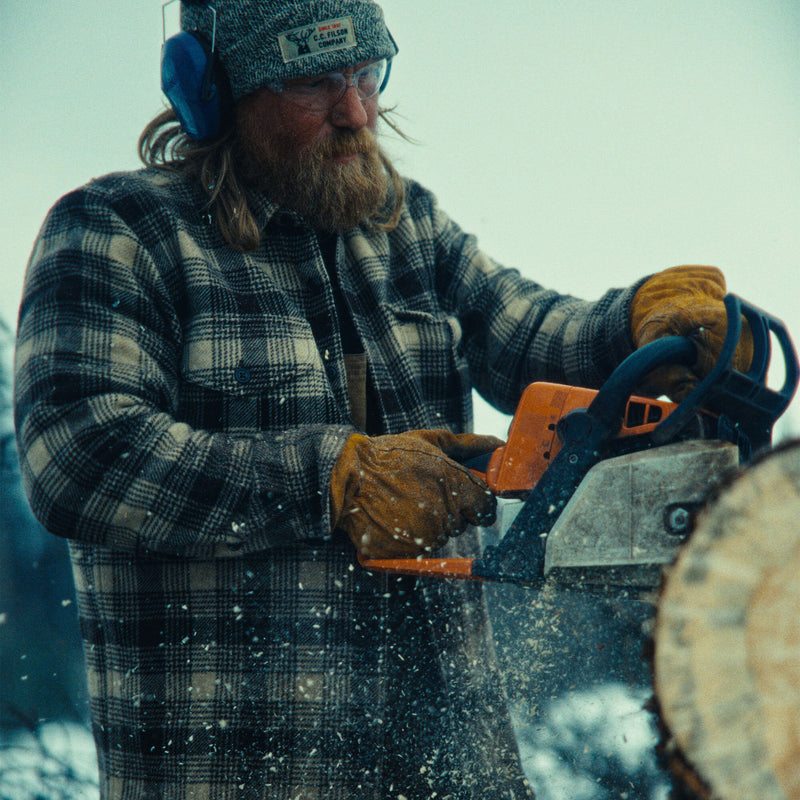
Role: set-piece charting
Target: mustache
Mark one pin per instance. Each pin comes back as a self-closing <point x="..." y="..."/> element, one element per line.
<point x="347" y="143"/>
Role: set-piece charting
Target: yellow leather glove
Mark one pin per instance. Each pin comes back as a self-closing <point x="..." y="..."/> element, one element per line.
<point x="686" y="301"/>
<point x="401" y="495"/>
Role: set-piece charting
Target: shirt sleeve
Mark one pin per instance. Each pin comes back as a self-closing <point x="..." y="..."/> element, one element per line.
<point x="516" y="331"/>
<point x="104" y="456"/>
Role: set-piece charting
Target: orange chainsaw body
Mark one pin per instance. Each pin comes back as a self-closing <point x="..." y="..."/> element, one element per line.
<point x="532" y="442"/>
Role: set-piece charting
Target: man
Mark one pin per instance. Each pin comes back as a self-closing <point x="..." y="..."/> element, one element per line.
<point x="243" y="364"/>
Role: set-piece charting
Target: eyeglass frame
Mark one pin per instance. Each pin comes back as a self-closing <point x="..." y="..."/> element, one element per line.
<point x="349" y="80"/>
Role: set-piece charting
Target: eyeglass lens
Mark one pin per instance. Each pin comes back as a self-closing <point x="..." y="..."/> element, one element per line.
<point x="326" y="90"/>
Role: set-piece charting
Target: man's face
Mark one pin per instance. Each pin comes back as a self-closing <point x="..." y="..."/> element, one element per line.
<point x="325" y="165"/>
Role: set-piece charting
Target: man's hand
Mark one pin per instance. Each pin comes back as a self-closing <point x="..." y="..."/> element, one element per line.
<point x="402" y="495"/>
<point x="686" y="301"/>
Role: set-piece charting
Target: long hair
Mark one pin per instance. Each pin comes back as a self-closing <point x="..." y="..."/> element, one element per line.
<point x="215" y="166"/>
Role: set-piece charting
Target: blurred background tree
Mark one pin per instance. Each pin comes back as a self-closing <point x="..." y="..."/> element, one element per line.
<point x="46" y="749"/>
<point x="41" y="662"/>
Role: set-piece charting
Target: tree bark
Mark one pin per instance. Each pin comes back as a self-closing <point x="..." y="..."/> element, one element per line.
<point x="727" y="638"/>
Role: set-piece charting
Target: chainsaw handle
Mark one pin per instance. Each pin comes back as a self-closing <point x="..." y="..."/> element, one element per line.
<point x="608" y="406"/>
<point x="743" y="401"/>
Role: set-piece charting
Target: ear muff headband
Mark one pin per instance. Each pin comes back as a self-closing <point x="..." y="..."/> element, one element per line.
<point x="195" y="85"/>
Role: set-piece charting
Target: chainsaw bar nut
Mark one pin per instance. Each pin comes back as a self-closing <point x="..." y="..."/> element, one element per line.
<point x="677" y="520"/>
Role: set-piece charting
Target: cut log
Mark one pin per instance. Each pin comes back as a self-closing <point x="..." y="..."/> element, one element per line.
<point x="727" y="637"/>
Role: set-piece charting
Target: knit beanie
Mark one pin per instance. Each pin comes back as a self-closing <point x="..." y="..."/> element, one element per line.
<point x="264" y="41"/>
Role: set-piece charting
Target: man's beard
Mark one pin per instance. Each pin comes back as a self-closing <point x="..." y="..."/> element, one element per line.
<point x="329" y="196"/>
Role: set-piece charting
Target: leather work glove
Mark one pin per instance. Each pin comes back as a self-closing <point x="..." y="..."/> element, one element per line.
<point x="686" y="301"/>
<point x="400" y="495"/>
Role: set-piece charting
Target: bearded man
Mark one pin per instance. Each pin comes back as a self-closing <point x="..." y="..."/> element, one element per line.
<point x="251" y="360"/>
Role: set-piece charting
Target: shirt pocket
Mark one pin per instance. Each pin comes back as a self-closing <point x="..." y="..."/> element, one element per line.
<point x="431" y="346"/>
<point x="264" y="374"/>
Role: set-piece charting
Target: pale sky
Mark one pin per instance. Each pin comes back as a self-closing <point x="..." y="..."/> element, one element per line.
<point x="586" y="142"/>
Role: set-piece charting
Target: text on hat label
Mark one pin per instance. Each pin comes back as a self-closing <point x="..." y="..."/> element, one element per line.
<point x="322" y="37"/>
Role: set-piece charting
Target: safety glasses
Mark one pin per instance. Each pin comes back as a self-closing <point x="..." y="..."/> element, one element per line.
<point x="323" y="92"/>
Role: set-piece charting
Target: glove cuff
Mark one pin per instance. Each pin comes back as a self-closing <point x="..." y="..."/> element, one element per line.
<point x="344" y="478"/>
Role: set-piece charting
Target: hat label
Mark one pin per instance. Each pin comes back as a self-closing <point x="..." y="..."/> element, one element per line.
<point x="321" y="37"/>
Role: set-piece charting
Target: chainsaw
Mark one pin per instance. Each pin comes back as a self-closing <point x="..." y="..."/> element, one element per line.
<point x="599" y="486"/>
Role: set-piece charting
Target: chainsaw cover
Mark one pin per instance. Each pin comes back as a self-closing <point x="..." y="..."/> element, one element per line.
<point x="631" y="513"/>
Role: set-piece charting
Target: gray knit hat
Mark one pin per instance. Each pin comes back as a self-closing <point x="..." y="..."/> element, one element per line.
<point x="261" y="41"/>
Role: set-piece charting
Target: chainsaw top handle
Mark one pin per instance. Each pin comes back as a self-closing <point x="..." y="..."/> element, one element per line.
<point x="747" y="408"/>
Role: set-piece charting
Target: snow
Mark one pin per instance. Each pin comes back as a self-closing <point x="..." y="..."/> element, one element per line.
<point x="54" y="762"/>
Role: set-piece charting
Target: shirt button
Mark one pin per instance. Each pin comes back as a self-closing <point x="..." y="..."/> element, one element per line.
<point x="242" y="375"/>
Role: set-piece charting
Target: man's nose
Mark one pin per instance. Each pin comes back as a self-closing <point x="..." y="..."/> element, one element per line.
<point x="350" y="112"/>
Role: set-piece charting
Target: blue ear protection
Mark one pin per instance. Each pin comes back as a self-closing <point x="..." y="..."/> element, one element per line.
<point x="388" y="71"/>
<point x="195" y="85"/>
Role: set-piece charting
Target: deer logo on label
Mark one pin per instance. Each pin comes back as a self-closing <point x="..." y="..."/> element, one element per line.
<point x="300" y="39"/>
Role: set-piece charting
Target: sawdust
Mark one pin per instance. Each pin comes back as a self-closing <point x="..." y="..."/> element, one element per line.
<point x="573" y="668"/>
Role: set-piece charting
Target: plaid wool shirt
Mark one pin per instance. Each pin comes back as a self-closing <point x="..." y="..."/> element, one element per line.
<point x="180" y="406"/>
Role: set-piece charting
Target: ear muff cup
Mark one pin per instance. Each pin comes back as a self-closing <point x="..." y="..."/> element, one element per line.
<point x="195" y="85"/>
